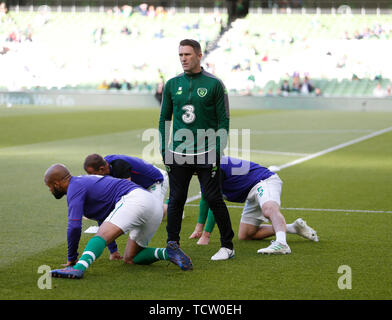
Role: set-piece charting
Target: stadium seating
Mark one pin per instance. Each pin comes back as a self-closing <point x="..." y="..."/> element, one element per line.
<point x="253" y="57"/>
<point x="330" y="49"/>
<point x="67" y="50"/>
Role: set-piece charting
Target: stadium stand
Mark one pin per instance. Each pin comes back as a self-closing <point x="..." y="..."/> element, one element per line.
<point x="82" y="49"/>
<point x="341" y="54"/>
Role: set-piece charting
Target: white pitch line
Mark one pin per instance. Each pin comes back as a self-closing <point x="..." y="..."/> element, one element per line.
<point x="339" y="210"/>
<point x="330" y="131"/>
<point x="193" y="198"/>
<point x="334" y="148"/>
<point x="318" y="154"/>
<point x="313" y="209"/>
<point x="270" y="152"/>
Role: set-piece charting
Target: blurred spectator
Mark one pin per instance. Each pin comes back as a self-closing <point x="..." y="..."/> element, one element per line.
<point x="151" y="12"/>
<point x="115" y="85"/>
<point x="346" y="36"/>
<point x="117" y="11"/>
<point x="98" y="35"/>
<point x="13" y="37"/>
<point x="146" y="86"/>
<point x="160" y="12"/>
<point x="159" y="92"/>
<point x="125" y="85"/>
<point x="161" y="76"/>
<point x="296" y="85"/>
<point x="142" y="87"/>
<point x="142" y="9"/>
<point x="210" y="67"/>
<point x="4" y="50"/>
<point x="3" y="9"/>
<point x="196" y="25"/>
<point x="355" y="77"/>
<point x="296" y="3"/>
<point x="357" y="35"/>
<point x="285" y="88"/>
<point x="218" y="3"/>
<point x="341" y="63"/>
<point x="159" y="34"/>
<point x="240" y="9"/>
<point x="28" y="33"/>
<point x="103" y="85"/>
<point x="125" y="30"/>
<point x="306" y="86"/>
<point x="269" y="93"/>
<point x="378" y="91"/>
<point x="249" y="86"/>
<point x="237" y="66"/>
<point x="389" y="91"/>
<point x="126" y="10"/>
<point x="377" y="31"/>
<point x="317" y="92"/>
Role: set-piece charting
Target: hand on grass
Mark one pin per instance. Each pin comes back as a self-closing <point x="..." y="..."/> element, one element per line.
<point x="115" y="256"/>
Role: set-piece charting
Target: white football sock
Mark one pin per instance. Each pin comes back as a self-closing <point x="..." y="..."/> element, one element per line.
<point x="281" y="237"/>
<point x="290" y="228"/>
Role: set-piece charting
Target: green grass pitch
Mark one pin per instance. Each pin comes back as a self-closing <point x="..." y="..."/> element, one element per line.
<point x="345" y="195"/>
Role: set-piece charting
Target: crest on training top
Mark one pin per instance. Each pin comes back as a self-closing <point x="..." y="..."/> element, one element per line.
<point x="202" y="92"/>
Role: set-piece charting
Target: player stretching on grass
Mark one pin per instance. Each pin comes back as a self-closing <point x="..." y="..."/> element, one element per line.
<point x="260" y="189"/>
<point x="137" y="170"/>
<point x="120" y="206"/>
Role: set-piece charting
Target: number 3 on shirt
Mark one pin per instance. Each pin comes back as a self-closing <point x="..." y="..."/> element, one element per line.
<point x="189" y="114"/>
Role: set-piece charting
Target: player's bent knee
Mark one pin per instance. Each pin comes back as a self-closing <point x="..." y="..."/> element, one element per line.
<point x="246" y="232"/>
<point x="109" y="232"/>
<point x="244" y="236"/>
<point x="270" y="208"/>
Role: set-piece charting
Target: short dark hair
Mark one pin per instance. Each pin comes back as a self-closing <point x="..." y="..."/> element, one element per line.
<point x="192" y="43"/>
<point x="94" y="161"/>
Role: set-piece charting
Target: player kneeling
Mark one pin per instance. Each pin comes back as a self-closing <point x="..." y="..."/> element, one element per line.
<point x="260" y="190"/>
<point x="119" y="206"/>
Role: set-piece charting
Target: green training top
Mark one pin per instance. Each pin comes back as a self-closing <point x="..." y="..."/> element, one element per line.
<point x="199" y="103"/>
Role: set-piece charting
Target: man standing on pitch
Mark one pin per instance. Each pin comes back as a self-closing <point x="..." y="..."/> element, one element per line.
<point x="197" y="104"/>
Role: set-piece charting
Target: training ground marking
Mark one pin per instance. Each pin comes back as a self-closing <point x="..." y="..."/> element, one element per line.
<point x="312" y="209"/>
<point x="326" y="131"/>
<point x="334" y="148"/>
<point x="269" y="152"/>
<point x="193" y="198"/>
<point x="318" y="154"/>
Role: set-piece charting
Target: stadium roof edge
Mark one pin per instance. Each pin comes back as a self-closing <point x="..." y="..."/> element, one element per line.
<point x="314" y="10"/>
